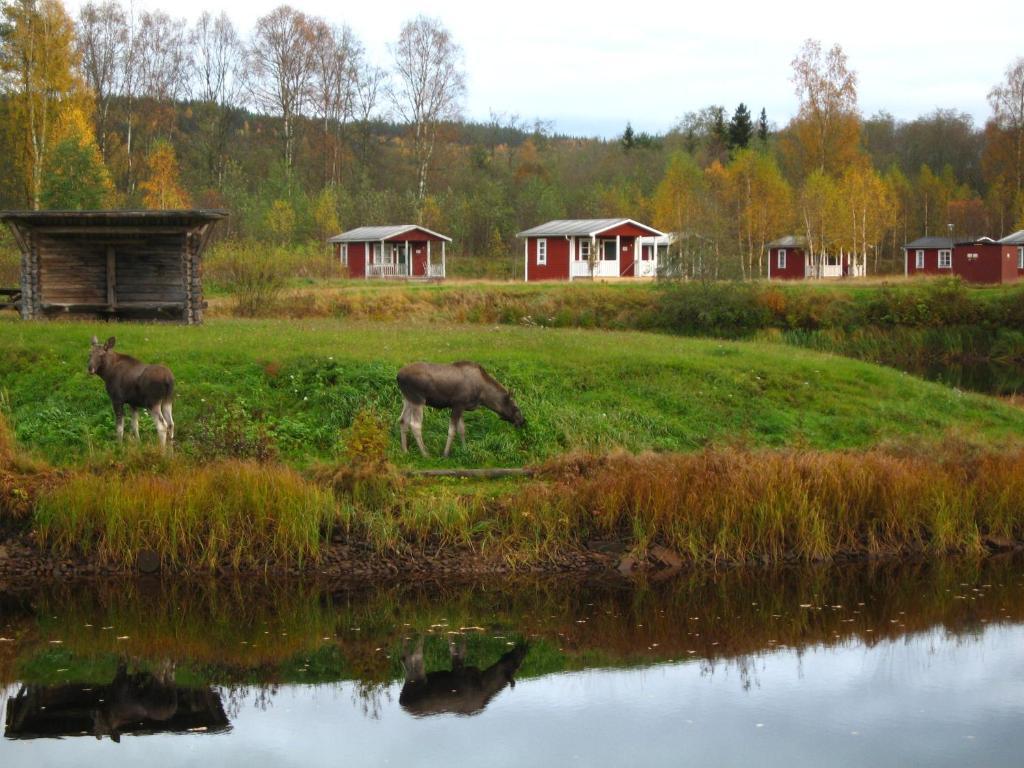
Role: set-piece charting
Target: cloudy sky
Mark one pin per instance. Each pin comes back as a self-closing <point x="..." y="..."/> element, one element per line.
<point x="590" y="67"/>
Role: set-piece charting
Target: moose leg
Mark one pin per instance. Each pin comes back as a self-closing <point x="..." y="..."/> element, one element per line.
<point x="462" y="431"/>
<point x="416" y="421"/>
<point x="168" y="419"/>
<point x="161" y="427"/>
<point x="119" y="420"/>
<point x="403" y="425"/>
<point x="456" y="417"/>
<point x="135" y="422"/>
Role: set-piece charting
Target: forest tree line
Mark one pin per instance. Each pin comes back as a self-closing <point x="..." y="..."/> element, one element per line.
<point x="298" y="134"/>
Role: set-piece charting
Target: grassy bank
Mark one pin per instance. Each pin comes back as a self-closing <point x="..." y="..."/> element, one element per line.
<point x="290" y="390"/>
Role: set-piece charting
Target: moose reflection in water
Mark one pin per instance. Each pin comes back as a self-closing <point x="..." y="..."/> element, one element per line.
<point x="136" y="703"/>
<point x="461" y="690"/>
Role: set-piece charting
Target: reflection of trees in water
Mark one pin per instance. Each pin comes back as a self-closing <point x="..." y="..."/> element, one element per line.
<point x="250" y="641"/>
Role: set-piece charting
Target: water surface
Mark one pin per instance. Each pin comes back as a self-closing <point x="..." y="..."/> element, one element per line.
<point x="918" y="664"/>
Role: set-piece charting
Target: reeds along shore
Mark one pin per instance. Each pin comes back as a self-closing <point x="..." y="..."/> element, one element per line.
<point x="713" y="507"/>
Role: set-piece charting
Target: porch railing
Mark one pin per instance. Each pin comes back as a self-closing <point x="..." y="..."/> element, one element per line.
<point x="435" y="271"/>
<point x="386" y="271"/>
<point x="580" y="268"/>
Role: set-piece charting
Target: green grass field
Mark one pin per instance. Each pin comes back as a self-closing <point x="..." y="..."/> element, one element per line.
<point x="247" y="387"/>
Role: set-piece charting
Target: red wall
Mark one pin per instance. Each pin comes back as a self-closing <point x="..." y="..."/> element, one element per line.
<point x="356" y="260"/>
<point x="557" y="267"/>
<point x="995" y="263"/>
<point x="931" y="262"/>
<point x="419" y="258"/>
<point x="627" y="256"/>
<point x="794" y="264"/>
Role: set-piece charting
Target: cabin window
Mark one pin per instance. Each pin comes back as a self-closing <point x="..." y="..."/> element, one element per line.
<point x="781" y="262"/>
<point x="945" y="259"/>
<point x="344" y="254"/>
<point x="375" y="254"/>
<point x="919" y="260"/>
<point x="608" y="250"/>
<point x="584" y="252"/>
<point x="1020" y="257"/>
<point x="542" y="251"/>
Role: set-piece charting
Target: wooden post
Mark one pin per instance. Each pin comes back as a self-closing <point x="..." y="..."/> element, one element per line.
<point x="111" y="277"/>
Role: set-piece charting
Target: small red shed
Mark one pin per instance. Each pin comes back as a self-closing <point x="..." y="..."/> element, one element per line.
<point x="570" y="249"/>
<point x="985" y="261"/>
<point x="396" y="252"/>
<point x="928" y="256"/>
<point x="787" y="259"/>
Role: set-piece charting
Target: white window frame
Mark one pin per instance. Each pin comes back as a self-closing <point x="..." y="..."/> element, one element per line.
<point x="919" y="259"/>
<point x="1020" y="257"/>
<point x="542" y="251"/>
<point x="780" y="259"/>
<point x="344" y="254"/>
<point x="945" y="258"/>
<point x="584" y="250"/>
<point x="376" y="253"/>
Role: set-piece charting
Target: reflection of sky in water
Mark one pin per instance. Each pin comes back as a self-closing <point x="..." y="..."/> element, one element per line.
<point x="929" y="699"/>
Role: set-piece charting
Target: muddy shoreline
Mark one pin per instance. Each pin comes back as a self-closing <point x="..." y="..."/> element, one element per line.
<point x="22" y="562"/>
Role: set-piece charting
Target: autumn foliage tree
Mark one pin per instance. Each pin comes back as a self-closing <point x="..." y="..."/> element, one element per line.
<point x="161" y="186"/>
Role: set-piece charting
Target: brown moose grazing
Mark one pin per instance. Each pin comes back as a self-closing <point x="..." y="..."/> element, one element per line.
<point x="137" y="385"/>
<point x="461" y="386"/>
<point x="462" y="690"/>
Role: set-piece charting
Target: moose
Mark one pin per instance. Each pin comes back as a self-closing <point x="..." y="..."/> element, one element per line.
<point x="137" y="697"/>
<point x="461" y="386"/>
<point x="462" y="690"/>
<point x="133" y="383"/>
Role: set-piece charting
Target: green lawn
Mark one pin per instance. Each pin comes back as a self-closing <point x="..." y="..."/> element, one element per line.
<point x="298" y="384"/>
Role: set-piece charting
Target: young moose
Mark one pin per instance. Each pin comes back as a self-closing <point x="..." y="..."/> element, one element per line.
<point x="137" y="385"/>
<point x="461" y="386"/>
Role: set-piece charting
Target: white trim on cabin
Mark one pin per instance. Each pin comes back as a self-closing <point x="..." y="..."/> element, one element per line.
<point x="919" y="258"/>
<point x="526" y="260"/>
<point x="542" y="251"/>
<point x="1020" y="257"/>
<point x="344" y="254"/>
<point x="946" y="258"/>
<point x="780" y="257"/>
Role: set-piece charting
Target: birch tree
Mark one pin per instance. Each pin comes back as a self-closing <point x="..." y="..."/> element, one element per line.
<point x="38" y="61"/>
<point x="216" y="53"/>
<point x="102" y="34"/>
<point x="280" y="64"/>
<point x="428" y="88"/>
<point x="336" y="57"/>
<point x="1004" y="150"/>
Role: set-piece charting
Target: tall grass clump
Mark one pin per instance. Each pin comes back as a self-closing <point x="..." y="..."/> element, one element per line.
<point x="740" y="506"/>
<point x="251" y="274"/>
<point x="226" y="513"/>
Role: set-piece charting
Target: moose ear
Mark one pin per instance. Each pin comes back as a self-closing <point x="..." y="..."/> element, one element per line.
<point x="110" y="343"/>
<point x="95" y="341"/>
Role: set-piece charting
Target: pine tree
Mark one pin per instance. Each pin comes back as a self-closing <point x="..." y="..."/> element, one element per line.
<point x="762" y="126"/>
<point x="740" y="128"/>
<point x="628" y="137"/>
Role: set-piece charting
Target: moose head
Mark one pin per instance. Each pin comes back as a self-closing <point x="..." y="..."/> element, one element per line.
<point x="98" y="354"/>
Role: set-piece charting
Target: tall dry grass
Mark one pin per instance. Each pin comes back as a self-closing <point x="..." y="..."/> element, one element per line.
<point x="237" y="513"/>
<point x="739" y="506"/>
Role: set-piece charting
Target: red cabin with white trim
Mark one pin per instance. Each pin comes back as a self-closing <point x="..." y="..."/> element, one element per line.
<point x="928" y="256"/>
<point x="570" y="249"/>
<point x="397" y="252"/>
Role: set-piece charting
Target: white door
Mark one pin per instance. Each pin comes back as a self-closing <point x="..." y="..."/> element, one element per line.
<point x="608" y="259"/>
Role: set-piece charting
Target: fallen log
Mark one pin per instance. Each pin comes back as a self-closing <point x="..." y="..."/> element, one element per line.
<point x="486" y="474"/>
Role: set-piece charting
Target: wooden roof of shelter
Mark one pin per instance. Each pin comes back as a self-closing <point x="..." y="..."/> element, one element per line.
<point x="112" y="263"/>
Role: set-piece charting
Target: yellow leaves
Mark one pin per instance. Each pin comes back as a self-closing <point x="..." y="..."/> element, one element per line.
<point x="161" y="187"/>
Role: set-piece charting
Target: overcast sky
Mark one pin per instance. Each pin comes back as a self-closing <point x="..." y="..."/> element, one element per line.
<point x="590" y="67"/>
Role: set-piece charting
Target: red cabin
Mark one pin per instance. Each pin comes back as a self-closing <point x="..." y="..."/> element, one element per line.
<point x="928" y="256"/>
<point x="401" y="251"/>
<point x="1016" y="240"/>
<point x="788" y="260"/>
<point x="986" y="261"/>
<point x="570" y="249"/>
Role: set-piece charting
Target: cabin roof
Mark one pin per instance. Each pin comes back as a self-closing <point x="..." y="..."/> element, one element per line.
<point x="930" y="242"/>
<point x="789" y="241"/>
<point x="581" y="228"/>
<point x="365" y="234"/>
<point x="112" y="218"/>
<point x="1017" y="238"/>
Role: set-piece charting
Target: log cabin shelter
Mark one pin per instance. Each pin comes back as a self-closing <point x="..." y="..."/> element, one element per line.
<point x="790" y="259"/>
<point x="574" y="249"/>
<point x="114" y="264"/>
<point x="395" y="252"/>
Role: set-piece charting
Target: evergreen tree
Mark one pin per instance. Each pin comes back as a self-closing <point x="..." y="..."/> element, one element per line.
<point x="628" y="138"/>
<point x="75" y="179"/>
<point x="740" y="128"/>
<point x="762" y="126"/>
